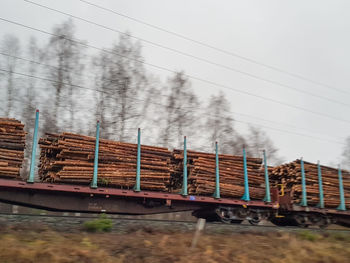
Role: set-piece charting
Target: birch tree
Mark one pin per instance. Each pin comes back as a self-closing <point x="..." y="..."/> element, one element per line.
<point x="66" y="57"/>
<point x="346" y="154"/>
<point x="10" y="47"/>
<point x="219" y="126"/>
<point x="29" y="97"/>
<point x="121" y="82"/>
<point x="180" y="116"/>
<point x="257" y="141"/>
<point x="31" y="84"/>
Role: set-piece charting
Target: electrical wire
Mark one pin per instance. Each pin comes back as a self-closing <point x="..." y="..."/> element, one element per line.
<point x="187" y="75"/>
<point x="193" y="56"/>
<point x="111" y="80"/>
<point x="159" y="104"/>
<point x="223" y="51"/>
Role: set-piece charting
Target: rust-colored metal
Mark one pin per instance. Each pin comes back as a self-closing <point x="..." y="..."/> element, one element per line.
<point x="81" y="198"/>
<point x="290" y="176"/>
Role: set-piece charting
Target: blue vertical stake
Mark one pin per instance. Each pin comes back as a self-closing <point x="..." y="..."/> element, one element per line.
<point x="137" y="187"/>
<point x="35" y="138"/>
<point x="341" y="192"/>
<point x="267" y="197"/>
<point x="184" y="183"/>
<point x="320" y="186"/>
<point x="245" y="196"/>
<point x="303" y="184"/>
<point x="94" y="178"/>
<point x="217" y="173"/>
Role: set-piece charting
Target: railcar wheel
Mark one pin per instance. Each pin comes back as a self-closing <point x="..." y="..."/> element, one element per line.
<point x="236" y="221"/>
<point x="231" y="221"/>
<point x="255" y="219"/>
<point x="323" y="226"/>
<point x="301" y="221"/>
<point x="279" y="221"/>
<point x="323" y="222"/>
<point x="225" y="220"/>
<point x="254" y="222"/>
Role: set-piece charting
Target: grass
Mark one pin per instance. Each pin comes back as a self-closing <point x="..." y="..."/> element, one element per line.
<point x="308" y="235"/>
<point x="102" y="224"/>
<point x="44" y="245"/>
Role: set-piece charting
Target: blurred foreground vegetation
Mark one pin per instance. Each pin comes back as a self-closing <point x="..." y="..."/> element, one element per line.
<point x="101" y="224"/>
<point x="146" y="245"/>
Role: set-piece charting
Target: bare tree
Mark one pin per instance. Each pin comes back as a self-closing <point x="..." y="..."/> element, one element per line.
<point x="11" y="46"/>
<point x="121" y="81"/>
<point x="346" y="154"/>
<point x="29" y="99"/>
<point x="179" y="118"/>
<point x="219" y="125"/>
<point x="66" y="57"/>
<point x="258" y="141"/>
<point x="100" y="65"/>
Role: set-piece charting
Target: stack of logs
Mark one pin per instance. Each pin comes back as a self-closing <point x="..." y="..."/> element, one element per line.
<point x="69" y="158"/>
<point x="12" y="144"/>
<point x="289" y="175"/>
<point x="201" y="174"/>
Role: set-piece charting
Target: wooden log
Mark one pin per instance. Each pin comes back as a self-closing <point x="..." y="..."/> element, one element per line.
<point x="201" y="170"/>
<point x="69" y="158"/>
<point x="12" y="144"/>
<point x="290" y="176"/>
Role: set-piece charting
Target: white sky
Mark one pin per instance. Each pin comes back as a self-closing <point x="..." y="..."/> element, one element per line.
<point x="309" y="38"/>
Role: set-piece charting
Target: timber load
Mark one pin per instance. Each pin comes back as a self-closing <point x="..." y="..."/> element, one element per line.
<point x="12" y="144"/>
<point x="69" y="158"/>
<point x="201" y="174"/>
<point x="289" y="176"/>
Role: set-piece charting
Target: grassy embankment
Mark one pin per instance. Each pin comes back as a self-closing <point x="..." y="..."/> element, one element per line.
<point x="47" y="246"/>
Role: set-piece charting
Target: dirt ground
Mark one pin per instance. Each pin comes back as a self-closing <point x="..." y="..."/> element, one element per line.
<point x="145" y="245"/>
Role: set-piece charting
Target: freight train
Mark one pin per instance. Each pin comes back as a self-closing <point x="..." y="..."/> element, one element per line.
<point x="277" y="207"/>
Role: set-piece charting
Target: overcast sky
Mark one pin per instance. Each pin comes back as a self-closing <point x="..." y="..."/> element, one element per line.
<point x="307" y="38"/>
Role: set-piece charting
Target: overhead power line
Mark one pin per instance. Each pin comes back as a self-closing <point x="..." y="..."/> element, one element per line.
<point x="223" y="51"/>
<point x="250" y="75"/>
<point x="231" y="112"/>
<point x="234" y="112"/>
<point x="162" y="105"/>
<point x="286" y="131"/>
<point x="187" y="75"/>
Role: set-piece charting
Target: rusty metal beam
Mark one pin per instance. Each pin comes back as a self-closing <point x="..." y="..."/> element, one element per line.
<point x="82" y="198"/>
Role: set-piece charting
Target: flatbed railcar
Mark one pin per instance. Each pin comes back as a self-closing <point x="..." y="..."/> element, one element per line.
<point x="277" y="207"/>
<point x="291" y="214"/>
<point x="80" y="198"/>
